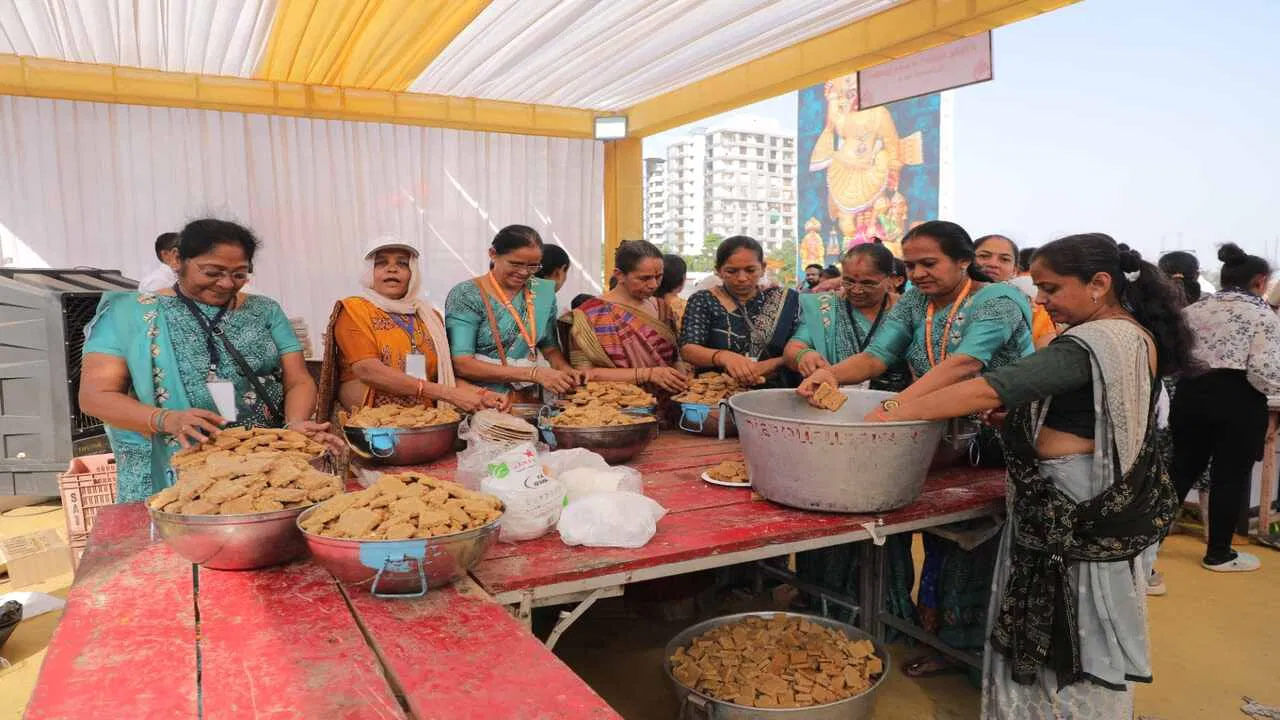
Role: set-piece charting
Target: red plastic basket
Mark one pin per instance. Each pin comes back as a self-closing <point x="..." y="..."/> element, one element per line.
<point x="89" y="484"/>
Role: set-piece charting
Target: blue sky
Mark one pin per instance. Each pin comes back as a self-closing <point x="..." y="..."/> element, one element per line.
<point x="1145" y="119"/>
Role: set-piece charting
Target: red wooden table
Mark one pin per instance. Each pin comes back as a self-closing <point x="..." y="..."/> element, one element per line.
<point x="148" y="635"/>
<point x="710" y="526"/>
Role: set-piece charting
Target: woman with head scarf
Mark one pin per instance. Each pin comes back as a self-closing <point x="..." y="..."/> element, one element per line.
<point x="388" y="345"/>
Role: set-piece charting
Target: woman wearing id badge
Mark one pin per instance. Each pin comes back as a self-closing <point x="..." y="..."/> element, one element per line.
<point x="953" y="324"/>
<point x="501" y="325"/>
<point x="389" y="346"/>
<point x="170" y="369"/>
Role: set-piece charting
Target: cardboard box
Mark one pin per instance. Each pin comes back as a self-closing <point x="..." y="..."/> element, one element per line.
<point x="36" y="557"/>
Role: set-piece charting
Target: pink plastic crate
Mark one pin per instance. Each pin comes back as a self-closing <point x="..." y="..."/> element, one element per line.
<point x="89" y="484"/>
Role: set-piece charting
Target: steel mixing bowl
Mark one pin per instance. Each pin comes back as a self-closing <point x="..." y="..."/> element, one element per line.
<point x="401" y="446"/>
<point x="816" y="459"/>
<point x="406" y="568"/>
<point x="233" y="542"/>
<point x="615" y="443"/>
<point x="857" y="707"/>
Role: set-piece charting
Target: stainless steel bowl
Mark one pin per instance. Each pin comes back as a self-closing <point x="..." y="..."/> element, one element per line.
<point x="400" y="568"/>
<point x="527" y="412"/>
<point x="401" y="446"/>
<point x="858" y="707"/>
<point x="615" y="443"/>
<point x="233" y="542"/>
<point x="815" y="459"/>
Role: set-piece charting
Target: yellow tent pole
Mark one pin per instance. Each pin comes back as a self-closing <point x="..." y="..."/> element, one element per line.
<point x="623" y="196"/>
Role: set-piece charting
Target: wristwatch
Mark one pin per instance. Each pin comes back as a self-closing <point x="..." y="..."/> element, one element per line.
<point x="889" y="404"/>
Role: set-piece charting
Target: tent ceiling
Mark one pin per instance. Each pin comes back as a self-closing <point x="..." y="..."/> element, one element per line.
<point x="538" y="66"/>
<point x="607" y="55"/>
<point x="213" y="37"/>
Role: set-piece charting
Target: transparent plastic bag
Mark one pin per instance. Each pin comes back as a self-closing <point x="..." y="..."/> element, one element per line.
<point x="610" y="519"/>
<point x="473" y="462"/>
<point x="586" y="473"/>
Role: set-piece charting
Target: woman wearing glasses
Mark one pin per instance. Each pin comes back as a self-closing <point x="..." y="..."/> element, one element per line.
<point x="501" y="325"/>
<point x="838" y="325"/>
<point x="170" y="369"/>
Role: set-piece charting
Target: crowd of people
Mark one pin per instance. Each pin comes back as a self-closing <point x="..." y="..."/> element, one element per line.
<point x="1067" y="355"/>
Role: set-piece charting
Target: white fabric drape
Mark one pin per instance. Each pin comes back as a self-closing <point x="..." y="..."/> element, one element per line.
<point x="92" y="184"/>
<point x="216" y="37"/>
<point x="591" y="54"/>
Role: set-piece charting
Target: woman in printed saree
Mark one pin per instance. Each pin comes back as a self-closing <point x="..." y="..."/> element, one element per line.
<point x="1088" y="490"/>
<point x="626" y="334"/>
<point x="388" y="345"/>
<point x="738" y="327"/>
<point x="501" y="325"/>
<point x="835" y="326"/>
<point x="951" y="325"/>
<point x="171" y="369"/>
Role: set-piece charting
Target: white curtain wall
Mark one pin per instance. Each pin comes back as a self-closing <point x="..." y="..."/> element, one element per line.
<point x="92" y="184"/>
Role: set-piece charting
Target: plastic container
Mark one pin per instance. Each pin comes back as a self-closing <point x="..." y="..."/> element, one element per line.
<point x="87" y="485"/>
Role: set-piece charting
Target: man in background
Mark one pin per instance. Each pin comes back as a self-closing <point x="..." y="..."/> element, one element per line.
<point x="166" y="273"/>
<point x="812" y="276"/>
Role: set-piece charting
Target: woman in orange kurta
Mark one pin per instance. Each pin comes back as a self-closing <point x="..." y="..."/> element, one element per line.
<point x="388" y="345"/>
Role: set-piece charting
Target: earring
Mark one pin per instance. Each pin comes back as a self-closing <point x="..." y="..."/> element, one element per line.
<point x="1095" y="299"/>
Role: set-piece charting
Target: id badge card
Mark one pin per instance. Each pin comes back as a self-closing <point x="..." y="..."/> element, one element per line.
<point x="224" y="398"/>
<point x="415" y="366"/>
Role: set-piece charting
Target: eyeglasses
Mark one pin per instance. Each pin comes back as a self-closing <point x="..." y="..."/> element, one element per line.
<point x="527" y="267"/>
<point x="864" y="284"/>
<point x="239" y="276"/>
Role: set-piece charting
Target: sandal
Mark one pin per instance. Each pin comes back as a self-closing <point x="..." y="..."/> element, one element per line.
<point x="930" y="666"/>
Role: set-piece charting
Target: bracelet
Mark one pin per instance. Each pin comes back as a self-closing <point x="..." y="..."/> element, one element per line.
<point x="713" y="358"/>
<point x="422" y="388"/>
<point x="801" y="354"/>
<point x="533" y="374"/>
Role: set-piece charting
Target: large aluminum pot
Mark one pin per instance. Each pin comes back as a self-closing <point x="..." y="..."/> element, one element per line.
<point x="615" y="443"/>
<point x="694" y="704"/>
<point x="401" y="446"/>
<point x="233" y="542"/>
<point x="400" y="568"/>
<point x="814" y="459"/>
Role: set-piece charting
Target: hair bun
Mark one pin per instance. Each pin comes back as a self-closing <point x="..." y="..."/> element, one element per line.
<point x="1130" y="260"/>
<point x="1231" y="254"/>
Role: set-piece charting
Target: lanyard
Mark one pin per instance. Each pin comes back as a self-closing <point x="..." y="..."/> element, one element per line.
<point x="409" y="326"/>
<point x="212" y="328"/>
<point x="528" y="332"/>
<point x="946" y="328"/>
<point x="860" y="343"/>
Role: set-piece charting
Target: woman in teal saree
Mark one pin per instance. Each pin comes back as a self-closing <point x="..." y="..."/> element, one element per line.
<point x="835" y="326"/>
<point x="502" y="325"/>
<point x="153" y="363"/>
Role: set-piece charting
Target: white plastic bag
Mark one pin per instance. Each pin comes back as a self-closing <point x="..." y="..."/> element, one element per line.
<point x="585" y="473"/>
<point x="473" y="462"/>
<point x="610" y="519"/>
<point x="533" y="500"/>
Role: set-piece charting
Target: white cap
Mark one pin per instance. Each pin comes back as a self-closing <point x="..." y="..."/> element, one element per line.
<point x="388" y="242"/>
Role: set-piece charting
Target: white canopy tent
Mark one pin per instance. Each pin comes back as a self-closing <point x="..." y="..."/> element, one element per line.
<point x="320" y="123"/>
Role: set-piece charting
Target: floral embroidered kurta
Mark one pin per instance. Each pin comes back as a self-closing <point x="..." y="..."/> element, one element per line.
<point x="1237" y="331"/>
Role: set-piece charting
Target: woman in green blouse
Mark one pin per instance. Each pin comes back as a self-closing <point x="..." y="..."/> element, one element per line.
<point x="950" y="326"/>
<point x="153" y="363"/>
